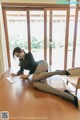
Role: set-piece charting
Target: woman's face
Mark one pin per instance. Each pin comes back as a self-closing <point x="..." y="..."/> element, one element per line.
<point x="19" y="55"/>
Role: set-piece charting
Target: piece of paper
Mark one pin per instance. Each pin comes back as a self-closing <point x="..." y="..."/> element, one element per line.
<point x="14" y="79"/>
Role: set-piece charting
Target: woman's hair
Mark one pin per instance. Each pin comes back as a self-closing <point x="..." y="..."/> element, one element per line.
<point x="17" y="49"/>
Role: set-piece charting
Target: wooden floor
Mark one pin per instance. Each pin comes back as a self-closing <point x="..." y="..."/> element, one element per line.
<point x="23" y="102"/>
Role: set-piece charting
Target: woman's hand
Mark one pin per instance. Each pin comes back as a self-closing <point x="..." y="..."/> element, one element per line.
<point x="24" y="76"/>
<point x="13" y="74"/>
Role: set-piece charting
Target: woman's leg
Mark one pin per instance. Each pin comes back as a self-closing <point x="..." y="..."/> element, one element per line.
<point x="46" y="88"/>
<point x="40" y="72"/>
<point x="42" y="66"/>
<point x="43" y="75"/>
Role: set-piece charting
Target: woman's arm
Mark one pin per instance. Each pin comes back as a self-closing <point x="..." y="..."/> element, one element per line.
<point x="20" y="72"/>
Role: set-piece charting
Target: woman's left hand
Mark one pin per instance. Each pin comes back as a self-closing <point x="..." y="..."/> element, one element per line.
<point x="24" y="76"/>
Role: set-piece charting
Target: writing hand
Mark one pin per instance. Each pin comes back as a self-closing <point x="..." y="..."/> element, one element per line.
<point x="13" y="74"/>
<point x="24" y="76"/>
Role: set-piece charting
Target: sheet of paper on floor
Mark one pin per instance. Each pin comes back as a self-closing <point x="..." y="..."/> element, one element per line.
<point x="14" y="79"/>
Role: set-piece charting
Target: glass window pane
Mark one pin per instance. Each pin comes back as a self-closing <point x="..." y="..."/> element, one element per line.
<point x="58" y="38"/>
<point x="37" y="34"/>
<point x="17" y="31"/>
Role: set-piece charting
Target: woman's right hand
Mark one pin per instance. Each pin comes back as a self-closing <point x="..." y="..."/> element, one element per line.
<point x="13" y="74"/>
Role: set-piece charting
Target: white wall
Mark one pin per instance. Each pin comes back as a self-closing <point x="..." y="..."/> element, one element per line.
<point x="3" y="52"/>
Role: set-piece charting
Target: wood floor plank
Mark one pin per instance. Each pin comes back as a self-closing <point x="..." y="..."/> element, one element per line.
<point x="23" y="102"/>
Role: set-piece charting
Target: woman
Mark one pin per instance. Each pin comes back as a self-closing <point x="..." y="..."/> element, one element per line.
<point x="38" y="69"/>
<point x="27" y="62"/>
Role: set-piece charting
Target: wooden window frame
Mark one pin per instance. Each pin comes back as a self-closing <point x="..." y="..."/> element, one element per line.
<point x="75" y="34"/>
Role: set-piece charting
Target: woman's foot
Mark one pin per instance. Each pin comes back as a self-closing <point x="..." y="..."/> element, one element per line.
<point x="76" y="99"/>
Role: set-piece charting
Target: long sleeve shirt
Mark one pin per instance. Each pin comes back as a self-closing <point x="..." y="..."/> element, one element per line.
<point x="27" y="63"/>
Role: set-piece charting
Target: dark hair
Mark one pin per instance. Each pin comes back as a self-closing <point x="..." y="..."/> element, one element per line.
<point x="17" y="49"/>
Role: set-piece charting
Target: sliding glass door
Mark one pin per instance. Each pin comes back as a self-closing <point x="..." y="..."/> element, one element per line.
<point x="26" y="30"/>
<point x="56" y="36"/>
<point x="17" y="32"/>
<point x="44" y="32"/>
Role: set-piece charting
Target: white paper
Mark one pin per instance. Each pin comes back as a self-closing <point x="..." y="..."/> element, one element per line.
<point x="14" y="79"/>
